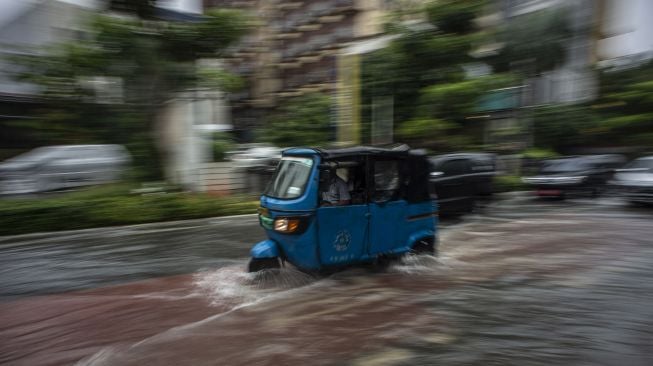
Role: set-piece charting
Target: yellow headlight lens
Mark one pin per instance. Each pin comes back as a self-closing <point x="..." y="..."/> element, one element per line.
<point x="286" y="225"/>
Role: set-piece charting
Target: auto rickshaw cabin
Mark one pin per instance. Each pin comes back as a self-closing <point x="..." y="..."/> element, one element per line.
<point x="389" y="212"/>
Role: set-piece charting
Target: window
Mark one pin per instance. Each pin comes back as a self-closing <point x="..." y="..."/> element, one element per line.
<point x="641" y="164"/>
<point x="455" y="167"/>
<point x="386" y="180"/>
<point x="565" y="165"/>
<point x="290" y="178"/>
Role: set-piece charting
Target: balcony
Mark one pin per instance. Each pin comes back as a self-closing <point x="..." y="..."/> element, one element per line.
<point x="314" y="16"/>
<point x="312" y="79"/>
<point x="243" y="4"/>
<point x="240" y="96"/>
<point x="297" y="91"/>
<point x="290" y="5"/>
<point x="280" y="3"/>
<point x="325" y="19"/>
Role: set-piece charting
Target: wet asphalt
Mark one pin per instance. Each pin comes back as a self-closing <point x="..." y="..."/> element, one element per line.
<point x="520" y="281"/>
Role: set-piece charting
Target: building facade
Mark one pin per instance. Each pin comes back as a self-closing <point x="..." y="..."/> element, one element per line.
<point x="294" y="49"/>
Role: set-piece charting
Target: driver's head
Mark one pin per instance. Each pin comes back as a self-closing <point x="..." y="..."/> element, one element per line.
<point x="343" y="173"/>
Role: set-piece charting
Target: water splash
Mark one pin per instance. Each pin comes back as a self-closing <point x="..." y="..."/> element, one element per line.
<point x="417" y="264"/>
<point x="102" y="357"/>
<point x="233" y="286"/>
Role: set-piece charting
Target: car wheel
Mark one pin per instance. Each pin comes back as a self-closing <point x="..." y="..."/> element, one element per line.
<point x="472" y="206"/>
<point x="598" y="191"/>
<point x="638" y="204"/>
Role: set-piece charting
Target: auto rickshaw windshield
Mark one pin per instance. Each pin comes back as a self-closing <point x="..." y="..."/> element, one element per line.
<point x="290" y="178"/>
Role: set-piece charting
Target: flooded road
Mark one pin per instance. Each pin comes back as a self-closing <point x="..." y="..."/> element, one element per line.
<point x="520" y="283"/>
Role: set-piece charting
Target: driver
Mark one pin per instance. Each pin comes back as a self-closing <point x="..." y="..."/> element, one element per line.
<point x="338" y="192"/>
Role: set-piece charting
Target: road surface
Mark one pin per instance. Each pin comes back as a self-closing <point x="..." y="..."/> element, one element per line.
<point x="522" y="282"/>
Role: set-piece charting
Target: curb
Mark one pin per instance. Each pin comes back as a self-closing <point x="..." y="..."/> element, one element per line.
<point x="159" y="224"/>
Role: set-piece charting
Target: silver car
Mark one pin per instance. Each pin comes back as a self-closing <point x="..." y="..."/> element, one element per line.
<point x="635" y="180"/>
<point x="55" y="167"/>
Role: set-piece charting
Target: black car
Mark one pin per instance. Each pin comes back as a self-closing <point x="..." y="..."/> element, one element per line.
<point x="460" y="179"/>
<point x="575" y="176"/>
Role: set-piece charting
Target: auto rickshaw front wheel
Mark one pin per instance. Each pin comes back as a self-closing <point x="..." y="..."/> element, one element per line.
<point x="259" y="264"/>
<point x="425" y="246"/>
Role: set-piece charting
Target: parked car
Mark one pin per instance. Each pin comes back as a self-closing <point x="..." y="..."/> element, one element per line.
<point x="255" y="156"/>
<point x="54" y="167"/>
<point x="575" y="176"/>
<point x="459" y="179"/>
<point x="635" y="181"/>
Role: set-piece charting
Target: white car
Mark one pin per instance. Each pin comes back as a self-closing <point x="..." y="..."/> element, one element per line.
<point x="54" y="167"/>
<point x="635" y="180"/>
<point x="256" y="155"/>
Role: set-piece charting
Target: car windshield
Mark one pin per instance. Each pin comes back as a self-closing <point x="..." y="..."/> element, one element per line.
<point x="641" y="164"/>
<point x="566" y="165"/>
<point x="35" y="155"/>
<point x="289" y="180"/>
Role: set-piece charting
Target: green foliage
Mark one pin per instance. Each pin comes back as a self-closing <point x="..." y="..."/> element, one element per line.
<point x="112" y="205"/>
<point x="533" y="43"/>
<point x="418" y="129"/>
<point x="189" y="41"/>
<point x="301" y="121"/>
<point x="563" y="126"/>
<point x="417" y="59"/>
<point x="220" y="79"/>
<point x="454" y="16"/>
<point x="141" y="8"/>
<point x="423" y="70"/>
<point x="508" y="183"/>
<point x="222" y="143"/>
<point x="539" y="153"/>
<point x="148" y="62"/>
<point x="626" y="106"/>
<point x="455" y="101"/>
<point x="628" y="121"/>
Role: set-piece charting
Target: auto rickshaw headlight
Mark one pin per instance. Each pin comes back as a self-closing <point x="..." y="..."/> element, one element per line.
<point x="286" y="225"/>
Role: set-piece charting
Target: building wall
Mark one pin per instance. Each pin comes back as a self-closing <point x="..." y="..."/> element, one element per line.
<point x="626" y="29"/>
<point x="295" y="48"/>
<point x="34" y="25"/>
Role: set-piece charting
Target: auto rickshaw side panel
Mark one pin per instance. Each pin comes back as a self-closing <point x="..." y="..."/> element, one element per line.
<point x="342" y="233"/>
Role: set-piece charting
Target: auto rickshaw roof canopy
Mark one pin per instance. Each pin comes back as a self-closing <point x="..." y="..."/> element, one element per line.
<point x="401" y="151"/>
<point x="415" y="165"/>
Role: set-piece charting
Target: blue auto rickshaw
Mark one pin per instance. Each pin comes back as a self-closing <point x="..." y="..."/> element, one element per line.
<point x="390" y="211"/>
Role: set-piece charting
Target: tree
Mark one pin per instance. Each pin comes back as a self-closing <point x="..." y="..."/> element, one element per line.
<point x="563" y="127"/>
<point x="302" y="121"/>
<point x="532" y="43"/>
<point x="626" y="106"/>
<point x="424" y="70"/>
<point x="148" y="61"/>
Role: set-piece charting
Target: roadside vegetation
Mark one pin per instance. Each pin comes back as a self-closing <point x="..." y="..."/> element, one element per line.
<point x="113" y="205"/>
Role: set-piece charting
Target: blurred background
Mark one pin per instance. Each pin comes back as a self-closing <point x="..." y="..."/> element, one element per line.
<point x="202" y="96"/>
<point x="537" y="116"/>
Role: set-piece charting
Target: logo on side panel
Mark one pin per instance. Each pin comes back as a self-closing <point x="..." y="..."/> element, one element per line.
<point x="343" y="238"/>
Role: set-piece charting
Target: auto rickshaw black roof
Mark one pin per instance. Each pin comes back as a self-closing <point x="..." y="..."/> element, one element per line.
<point x="397" y="152"/>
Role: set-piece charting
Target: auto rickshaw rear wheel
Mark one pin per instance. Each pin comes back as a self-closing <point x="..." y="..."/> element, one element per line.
<point x="259" y="264"/>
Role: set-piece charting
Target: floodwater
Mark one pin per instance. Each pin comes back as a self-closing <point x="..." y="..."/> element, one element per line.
<point x="520" y="283"/>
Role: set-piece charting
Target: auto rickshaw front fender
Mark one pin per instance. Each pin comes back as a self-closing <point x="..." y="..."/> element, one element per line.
<point x="265" y="249"/>
<point x="421" y="234"/>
